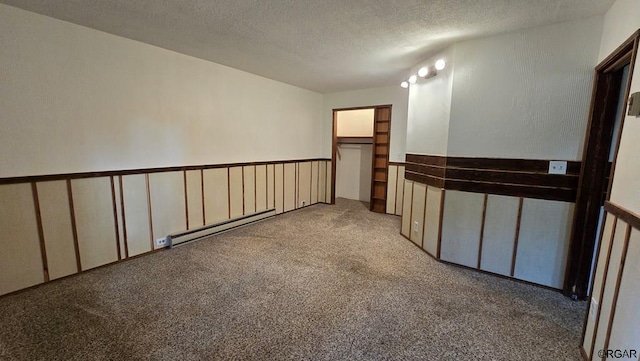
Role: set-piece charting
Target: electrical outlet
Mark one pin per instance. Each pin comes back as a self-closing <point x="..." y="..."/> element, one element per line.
<point x="415" y="226"/>
<point x="593" y="310"/>
<point x="557" y="167"/>
<point x="304" y="203"/>
<point x="161" y="242"/>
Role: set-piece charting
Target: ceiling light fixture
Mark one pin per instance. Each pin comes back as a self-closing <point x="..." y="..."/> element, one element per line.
<point x="413" y="79"/>
<point x="404" y="84"/>
<point x="440" y="64"/>
<point x="424" y="71"/>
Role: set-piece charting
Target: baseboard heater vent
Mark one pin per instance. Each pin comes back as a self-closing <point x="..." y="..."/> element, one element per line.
<point x="181" y="238"/>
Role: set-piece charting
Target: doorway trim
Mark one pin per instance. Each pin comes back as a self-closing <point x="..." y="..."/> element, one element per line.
<point x="334" y="142"/>
<point x="595" y="155"/>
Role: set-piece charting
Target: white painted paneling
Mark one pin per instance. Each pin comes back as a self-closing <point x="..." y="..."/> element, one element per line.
<point x="524" y="94"/>
<point x="392" y="177"/>
<point x="261" y="188"/>
<point x="606" y="304"/>
<point x="499" y="234"/>
<point x="315" y="182"/>
<point x="168" y="213"/>
<point x="322" y="188"/>
<point x="289" y="186"/>
<point x="625" y="332"/>
<point x="417" y="212"/>
<point x="136" y="214"/>
<point x="249" y="189"/>
<point x="119" y="217"/>
<point x="216" y="195"/>
<point x="87" y="93"/>
<point x="355" y="123"/>
<point x="407" y="203"/>
<point x="400" y="191"/>
<point x="93" y="207"/>
<point x="304" y="183"/>
<point x="236" y="197"/>
<point x="271" y="188"/>
<point x="598" y="278"/>
<point x="461" y="224"/>
<point x="194" y="198"/>
<point x="329" y="185"/>
<point x="353" y="172"/>
<point x="279" y="187"/>
<point x="543" y="242"/>
<point x="432" y="220"/>
<point x="57" y="228"/>
<point x="20" y="259"/>
<point x="393" y="95"/>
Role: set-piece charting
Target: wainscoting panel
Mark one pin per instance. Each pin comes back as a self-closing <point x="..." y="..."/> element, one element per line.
<point x="57" y="228"/>
<point x="315" y="182"/>
<point x="168" y="214"/>
<point x="328" y="182"/>
<point x="322" y="192"/>
<point x="399" y="190"/>
<point x="407" y="204"/>
<point x="432" y="220"/>
<point x="271" y="187"/>
<point x="543" y="242"/>
<point x="461" y="227"/>
<point x="304" y="183"/>
<point x="289" y="187"/>
<point x="279" y="187"/>
<point x="94" y="216"/>
<point x="392" y="178"/>
<point x="136" y="214"/>
<point x="417" y="213"/>
<point x="261" y="188"/>
<point x="21" y="258"/>
<point x="216" y="195"/>
<point x="625" y="330"/>
<point x="498" y="241"/>
<point x="195" y="207"/>
<point x="249" y="189"/>
<point x="119" y="215"/>
<point x="236" y="192"/>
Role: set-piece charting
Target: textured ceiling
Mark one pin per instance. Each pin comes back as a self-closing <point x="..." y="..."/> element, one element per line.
<point x="321" y="45"/>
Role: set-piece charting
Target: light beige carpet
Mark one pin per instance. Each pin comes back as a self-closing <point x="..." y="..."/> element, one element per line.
<point x="322" y="283"/>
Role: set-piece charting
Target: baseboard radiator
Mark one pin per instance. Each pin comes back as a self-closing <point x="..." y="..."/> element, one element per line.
<point x="178" y="239"/>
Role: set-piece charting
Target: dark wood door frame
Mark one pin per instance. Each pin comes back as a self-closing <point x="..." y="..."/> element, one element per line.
<point x="595" y="156"/>
<point x="334" y="143"/>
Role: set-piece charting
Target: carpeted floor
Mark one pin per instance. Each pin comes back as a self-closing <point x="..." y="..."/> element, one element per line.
<point x="322" y="283"/>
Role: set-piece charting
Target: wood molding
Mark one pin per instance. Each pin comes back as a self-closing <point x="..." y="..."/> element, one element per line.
<point x="109" y="173"/>
<point x="623" y="214"/>
<point x="43" y="248"/>
<point x="503" y="176"/>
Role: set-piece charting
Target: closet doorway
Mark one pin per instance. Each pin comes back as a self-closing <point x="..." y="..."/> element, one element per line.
<point x="360" y="155"/>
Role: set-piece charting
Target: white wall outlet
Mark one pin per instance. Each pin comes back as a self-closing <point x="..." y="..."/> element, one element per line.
<point x="557" y="167"/>
<point x="161" y="242"/>
<point x="593" y="310"/>
<point x="415" y="226"/>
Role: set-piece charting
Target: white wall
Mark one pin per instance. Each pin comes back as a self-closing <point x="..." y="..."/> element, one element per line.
<point x="524" y="94"/>
<point x="394" y="95"/>
<point x="429" y="108"/>
<point x="353" y="172"/>
<point x="75" y="99"/>
<point x="622" y="20"/>
<point x="355" y="123"/>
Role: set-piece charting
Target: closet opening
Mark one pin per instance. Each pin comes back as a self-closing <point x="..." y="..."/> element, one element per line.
<point x="360" y="155"/>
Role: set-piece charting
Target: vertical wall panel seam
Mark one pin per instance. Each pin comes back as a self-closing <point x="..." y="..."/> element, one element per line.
<point x="514" y="256"/>
<point x="74" y="227"/>
<point x="115" y="217"/>
<point x="440" y="222"/>
<point x="229" y="192"/>
<point x="204" y="217"/>
<point x="149" y="209"/>
<point x="38" y="214"/>
<point x="484" y="218"/>
<point x="124" y="219"/>
<point x="424" y="214"/>
<point x="243" y="198"/>
<point x="186" y="198"/>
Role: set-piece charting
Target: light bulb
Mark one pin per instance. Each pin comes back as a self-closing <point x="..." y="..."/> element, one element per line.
<point x="440" y="64"/>
<point x="413" y="79"/>
<point x="423" y="72"/>
<point x="404" y="84"/>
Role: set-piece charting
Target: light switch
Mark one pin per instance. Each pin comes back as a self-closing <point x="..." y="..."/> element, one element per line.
<point x="557" y="167"/>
